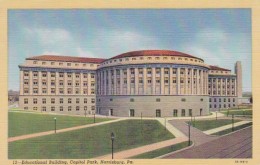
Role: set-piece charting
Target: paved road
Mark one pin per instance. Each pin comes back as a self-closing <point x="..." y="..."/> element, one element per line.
<point x="197" y="136"/>
<point x="235" y="145"/>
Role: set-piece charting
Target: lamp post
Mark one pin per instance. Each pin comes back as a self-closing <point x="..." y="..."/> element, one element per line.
<point x="189" y="132"/>
<point x="232" y="122"/>
<point x="55" y="124"/>
<point x="112" y="140"/>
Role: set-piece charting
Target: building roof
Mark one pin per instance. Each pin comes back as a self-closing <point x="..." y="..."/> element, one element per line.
<point x="218" y="68"/>
<point x="154" y="53"/>
<point x="66" y="59"/>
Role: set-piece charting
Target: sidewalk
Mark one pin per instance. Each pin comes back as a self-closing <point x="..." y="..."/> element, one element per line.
<point x="22" y="137"/>
<point x="215" y="130"/>
<point x="140" y="150"/>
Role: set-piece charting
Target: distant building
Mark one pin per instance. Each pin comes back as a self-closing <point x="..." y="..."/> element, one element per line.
<point x="155" y="83"/>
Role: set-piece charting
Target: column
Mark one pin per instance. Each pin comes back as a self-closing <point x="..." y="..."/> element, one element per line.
<point x="121" y="81"/>
<point x="153" y="80"/>
<point x="235" y="87"/>
<point x="221" y="86"/>
<point x="136" y="81"/>
<point x="206" y="83"/>
<point x="89" y="83"/>
<point x="56" y="83"/>
<point x="30" y="82"/>
<point x="48" y="83"/>
<point x="211" y="81"/>
<point x="170" y="80"/>
<point x="81" y="83"/>
<point x="162" y="81"/>
<point x="105" y="82"/>
<point x="21" y="82"/>
<point x="186" y="89"/>
<point x="144" y="80"/>
<point x="128" y="81"/>
<point x="178" y="81"/>
<point x="197" y="82"/>
<point x="226" y="85"/>
<point x="202" y="82"/>
<point x="39" y="83"/>
<point x="115" y="81"/>
<point x="65" y="83"/>
<point x="73" y="83"/>
<point x="192" y="81"/>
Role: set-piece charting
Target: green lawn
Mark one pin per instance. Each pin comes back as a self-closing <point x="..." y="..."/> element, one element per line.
<point x="235" y="129"/>
<point x="90" y="142"/>
<point x="239" y="112"/>
<point x="27" y="123"/>
<point x="204" y="125"/>
<point x="162" y="151"/>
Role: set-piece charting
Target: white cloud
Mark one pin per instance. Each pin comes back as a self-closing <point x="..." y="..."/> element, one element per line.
<point x="84" y="53"/>
<point x="47" y="36"/>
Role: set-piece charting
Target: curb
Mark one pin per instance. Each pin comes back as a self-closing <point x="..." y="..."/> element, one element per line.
<point x="174" y="152"/>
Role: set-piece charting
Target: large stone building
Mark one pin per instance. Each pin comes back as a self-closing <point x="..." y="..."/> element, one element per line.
<point x="149" y="83"/>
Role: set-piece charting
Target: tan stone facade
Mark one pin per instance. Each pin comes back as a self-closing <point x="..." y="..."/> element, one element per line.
<point x="159" y="84"/>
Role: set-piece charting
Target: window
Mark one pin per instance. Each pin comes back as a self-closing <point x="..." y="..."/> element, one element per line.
<point x="44" y="90"/>
<point x="85" y="108"/>
<point x="34" y="101"/>
<point x="219" y="100"/>
<point x="201" y="99"/>
<point x="43" y="108"/>
<point x="183" y="99"/>
<point x="43" y="101"/>
<point x="61" y="100"/>
<point x="61" y="108"/>
<point x="69" y="108"/>
<point x="175" y="112"/>
<point x="60" y="63"/>
<point x="52" y="63"/>
<point x="77" y="100"/>
<point x="77" y="90"/>
<point x="52" y="108"/>
<point x="190" y="112"/>
<point x="25" y="108"/>
<point x="26" y="73"/>
<point x="92" y="100"/>
<point x="69" y="100"/>
<point x="183" y="112"/>
<point x="85" y="100"/>
<point x="34" y="62"/>
<point x="158" y="113"/>
<point x="35" y="90"/>
<point x="61" y="74"/>
<point x="69" y="75"/>
<point x="158" y="100"/>
<point x="85" y="75"/>
<point x="35" y="108"/>
<point x="92" y="108"/>
<point x="132" y="112"/>
<point x="92" y="75"/>
<point x="44" y="74"/>
<point x="132" y="99"/>
<point x="35" y="74"/>
<point x="68" y="64"/>
<point x="53" y="90"/>
<point x="111" y="99"/>
<point x="77" y="75"/>
<point x="77" y="108"/>
<point x="52" y="74"/>
<point x="25" y="101"/>
<point x="53" y="100"/>
<point x="85" y="83"/>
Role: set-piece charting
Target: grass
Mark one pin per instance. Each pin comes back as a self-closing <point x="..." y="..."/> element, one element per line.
<point x="90" y="142"/>
<point x="162" y="151"/>
<point x="205" y="125"/>
<point x="230" y="129"/>
<point x="238" y="112"/>
<point x="27" y="123"/>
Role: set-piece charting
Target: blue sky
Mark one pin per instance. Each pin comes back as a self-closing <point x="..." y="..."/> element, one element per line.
<point x="219" y="36"/>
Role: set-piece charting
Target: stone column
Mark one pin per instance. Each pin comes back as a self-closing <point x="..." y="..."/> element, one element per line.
<point x="153" y="80"/>
<point x="178" y="81"/>
<point x="65" y="83"/>
<point x="21" y="82"/>
<point x="192" y="81"/>
<point x="105" y="82"/>
<point x="186" y="89"/>
<point x="144" y="80"/>
<point x="57" y="83"/>
<point x="212" y="86"/>
<point x="30" y="82"/>
<point x="235" y="87"/>
<point x="202" y="82"/>
<point x="170" y="81"/>
<point x="121" y="81"/>
<point x="89" y="83"/>
<point x="128" y="81"/>
<point x="39" y="83"/>
<point x="162" y="81"/>
<point x="48" y="83"/>
<point x="115" y="82"/>
<point x="81" y="83"/>
<point x="136" y="81"/>
<point x="226" y="85"/>
<point x="198" y="82"/>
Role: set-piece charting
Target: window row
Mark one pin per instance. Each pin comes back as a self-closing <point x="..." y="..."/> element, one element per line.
<point x="220" y="106"/>
<point x="60" y="91"/>
<point x="64" y="63"/>
<point x="222" y="99"/>
<point x="62" y="108"/>
<point x="56" y="100"/>
<point x="60" y="82"/>
<point x="60" y="74"/>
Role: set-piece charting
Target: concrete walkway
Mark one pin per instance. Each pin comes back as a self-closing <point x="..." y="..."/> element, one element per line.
<point x="22" y="137"/>
<point x="143" y="149"/>
<point x="215" y="130"/>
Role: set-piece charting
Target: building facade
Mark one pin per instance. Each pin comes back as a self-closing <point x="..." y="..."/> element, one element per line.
<point x="152" y="83"/>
